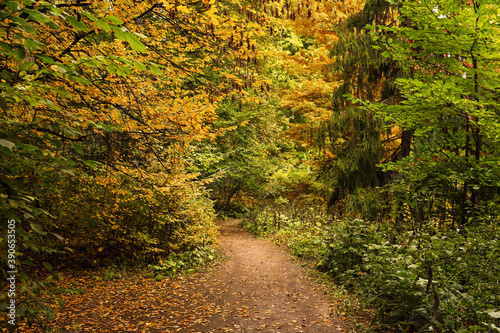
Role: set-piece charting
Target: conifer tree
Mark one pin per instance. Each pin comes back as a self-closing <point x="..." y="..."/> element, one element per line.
<point x="355" y="139"/>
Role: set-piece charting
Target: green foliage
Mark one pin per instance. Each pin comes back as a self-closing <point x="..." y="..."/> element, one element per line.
<point x="239" y="165"/>
<point x="353" y="140"/>
<point x="36" y="300"/>
<point x="418" y="270"/>
<point x="302" y="230"/>
<point x="444" y="280"/>
<point x="451" y="107"/>
<point x="354" y="137"/>
<point x="111" y="274"/>
<point x="441" y="280"/>
<point x="366" y="202"/>
<point x="136" y="223"/>
<point x="36" y="237"/>
<point x="359" y="58"/>
<point x="292" y="43"/>
<point x="186" y="262"/>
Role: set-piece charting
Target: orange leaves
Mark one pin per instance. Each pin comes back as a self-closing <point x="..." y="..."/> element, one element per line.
<point x="310" y="31"/>
<point x="320" y="16"/>
<point x="100" y="41"/>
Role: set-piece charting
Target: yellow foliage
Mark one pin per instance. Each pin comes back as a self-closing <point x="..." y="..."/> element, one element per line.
<point x="309" y="93"/>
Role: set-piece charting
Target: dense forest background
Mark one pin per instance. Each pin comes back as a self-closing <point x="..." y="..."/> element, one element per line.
<point x="365" y="135"/>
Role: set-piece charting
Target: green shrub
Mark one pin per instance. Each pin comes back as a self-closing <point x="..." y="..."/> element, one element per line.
<point x="301" y="229"/>
<point x="184" y="261"/>
<point x="432" y="280"/>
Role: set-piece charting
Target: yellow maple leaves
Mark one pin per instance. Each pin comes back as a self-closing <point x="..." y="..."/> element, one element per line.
<point x="314" y="82"/>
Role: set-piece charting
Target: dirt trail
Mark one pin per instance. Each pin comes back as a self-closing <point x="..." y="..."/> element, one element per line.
<point x="261" y="289"/>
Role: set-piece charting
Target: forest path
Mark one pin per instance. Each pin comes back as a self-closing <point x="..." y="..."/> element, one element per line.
<point x="261" y="289"/>
<point x="258" y="288"/>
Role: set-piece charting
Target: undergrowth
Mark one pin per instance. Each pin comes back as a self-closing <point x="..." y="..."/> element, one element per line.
<point x="185" y="262"/>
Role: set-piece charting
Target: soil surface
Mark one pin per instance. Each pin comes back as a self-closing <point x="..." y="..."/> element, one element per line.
<point x="258" y="288"/>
